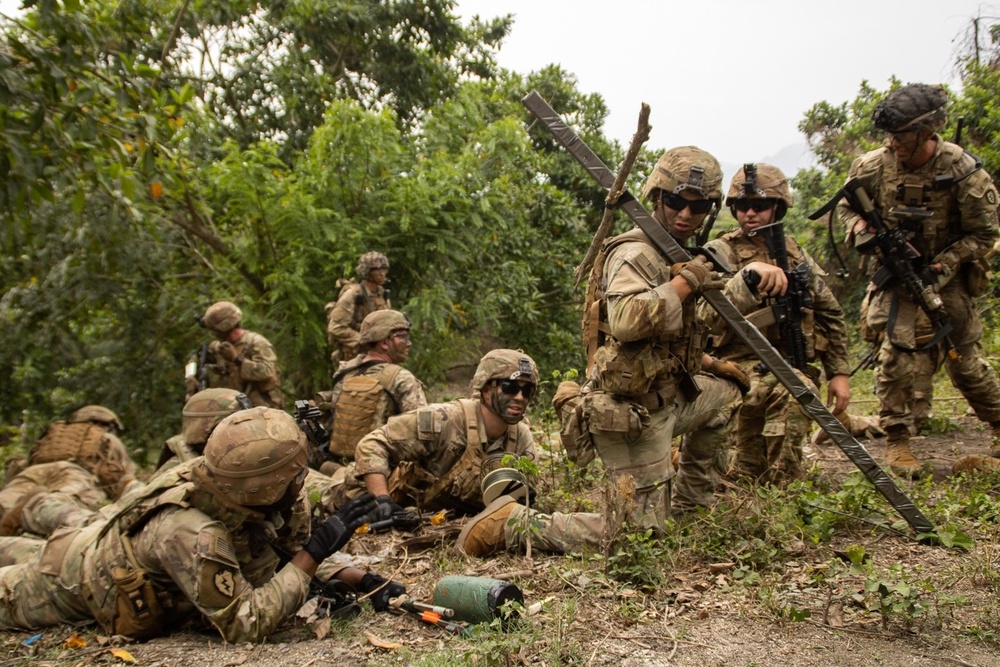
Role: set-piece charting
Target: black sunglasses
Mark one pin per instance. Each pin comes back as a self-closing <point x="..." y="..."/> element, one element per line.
<point x="678" y="203"/>
<point x="512" y="387"/>
<point x="759" y="205"/>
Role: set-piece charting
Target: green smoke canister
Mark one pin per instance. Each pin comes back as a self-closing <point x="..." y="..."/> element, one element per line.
<point x="475" y="599"/>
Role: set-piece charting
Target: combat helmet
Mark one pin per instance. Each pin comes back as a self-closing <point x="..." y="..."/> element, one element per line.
<point x="765" y="182"/>
<point x="369" y="262"/>
<point x="253" y="456"/>
<point x="504" y="365"/>
<point x="687" y="169"/>
<point x="98" y="414"/>
<point x="913" y="108"/>
<point x="222" y="316"/>
<point x="381" y="324"/>
<point x="203" y="412"/>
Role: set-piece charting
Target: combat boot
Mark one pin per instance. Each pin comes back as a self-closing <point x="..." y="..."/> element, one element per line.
<point x="898" y="454"/>
<point x="484" y="533"/>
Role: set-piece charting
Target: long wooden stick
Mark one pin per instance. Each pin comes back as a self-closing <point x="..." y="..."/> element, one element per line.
<point x="640" y="137"/>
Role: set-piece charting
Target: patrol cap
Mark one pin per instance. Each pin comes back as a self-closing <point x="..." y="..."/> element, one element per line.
<point x="381" y="324"/>
<point x="504" y="365"/>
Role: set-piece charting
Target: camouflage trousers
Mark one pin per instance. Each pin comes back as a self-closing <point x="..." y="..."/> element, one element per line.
<point x="14" y="550"/>
<point x="705" y="423"/>
<point x="900" y="377"/>
<point x="926" y="364"/>
<point x="559" y="532"/>
<point x="771" y="429"/>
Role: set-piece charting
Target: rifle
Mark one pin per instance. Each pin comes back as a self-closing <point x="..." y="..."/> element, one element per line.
<point x="811" y="404"/>
<point x="310" y="420"/>
<point x="898" y="258"/>
<point x="787" y="308"/>
<point x="406" y="520"/>
<point x="202" y="371"/>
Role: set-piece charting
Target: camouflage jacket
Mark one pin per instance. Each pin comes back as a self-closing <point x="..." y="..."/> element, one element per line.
<point x="435" y="456"/>
<point x="344" y="316"/>
<point x="257" y="377"/>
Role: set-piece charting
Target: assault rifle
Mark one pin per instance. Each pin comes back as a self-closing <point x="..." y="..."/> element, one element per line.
<point x="899" y="258"/>
<point x="407" y="520"/>
<point x="811" y="404"/>
<point x="310" y="420"/>
<point x="787" y="308"/>
<point x="202" y="372"/>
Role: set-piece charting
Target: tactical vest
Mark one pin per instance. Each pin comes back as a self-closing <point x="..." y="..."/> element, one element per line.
<point x="357" y="411"/>
<point x="910" y="200"/>
<point x="82" y="442"/>
<point x="452" y="479"/>
<point x="645" y="371"/>
<point x="745" y="251"/>
<point x="365" y="302"/>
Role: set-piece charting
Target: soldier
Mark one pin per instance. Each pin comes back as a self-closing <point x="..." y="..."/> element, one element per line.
<point x="771" y="429"/>
<point x="648" y="375"/>
<point x="947" y="203"/>
<point x="238" y="359"/>
<point x="203" y="541"/>
<point x="372" y="387"/>
<point x="199" y="417"/>
<point x="355" y="302"/>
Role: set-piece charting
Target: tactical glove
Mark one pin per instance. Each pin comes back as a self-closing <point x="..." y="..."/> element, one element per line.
<point x="338" y="529"/>
<point x="227" y="351"/>
<point x="390" y="514"/>
<point x="386" y="508"/>
<point x="700" y="274"/>
<point x="732" y="372"/>
<point x="382" y="590"/>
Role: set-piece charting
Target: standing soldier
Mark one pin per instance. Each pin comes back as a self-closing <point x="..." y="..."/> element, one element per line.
<point x="771" y="428"/>
<point x="645" y="350"/>
<point x="355" y="302"/>
<point x="238" y="359"/>
<point x="372" y="386"/>
<point x="947" y="203"/>
<point x="202" y="541"/>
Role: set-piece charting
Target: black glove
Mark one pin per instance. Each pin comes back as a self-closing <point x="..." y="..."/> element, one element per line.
<point x="386" y="508"/>
<point x="385" y="590"/>
<point x="338" y="529"/>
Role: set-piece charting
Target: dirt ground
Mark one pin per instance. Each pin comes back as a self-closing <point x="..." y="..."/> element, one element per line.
<point x="576" y="616"/>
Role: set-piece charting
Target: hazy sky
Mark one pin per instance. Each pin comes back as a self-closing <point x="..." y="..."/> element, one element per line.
<point x="732" y="76"/>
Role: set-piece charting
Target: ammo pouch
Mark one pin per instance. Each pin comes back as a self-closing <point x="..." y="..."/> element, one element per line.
<point x="977" y="276"/>
<point x="603" y="413"/>
<point x="138" y="613"/>
<point x="629" y="369"/>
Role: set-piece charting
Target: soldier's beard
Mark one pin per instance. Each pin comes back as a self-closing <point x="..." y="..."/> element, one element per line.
<point x="500" y="404"/>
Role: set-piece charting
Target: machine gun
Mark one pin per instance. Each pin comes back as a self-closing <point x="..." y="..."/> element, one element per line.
<point x="787" y="308"/>
<point x="898" y="258"/>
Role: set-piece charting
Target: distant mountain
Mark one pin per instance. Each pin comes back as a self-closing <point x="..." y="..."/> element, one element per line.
<point x="789" y="159"/>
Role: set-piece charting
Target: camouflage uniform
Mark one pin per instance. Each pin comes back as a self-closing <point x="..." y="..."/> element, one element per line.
<point x="355" y="302"/>
<point x="27" y="500"/>
<point x="195" y="543"/>
<point x="771" y="428"/>
<point x="654" y="337"/>
<point x="959" y="231"/>
<point x="254" y="368"/>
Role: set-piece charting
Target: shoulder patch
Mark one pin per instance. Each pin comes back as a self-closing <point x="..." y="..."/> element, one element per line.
<point x="428" y="422"/>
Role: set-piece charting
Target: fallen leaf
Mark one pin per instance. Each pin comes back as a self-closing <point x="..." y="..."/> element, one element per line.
<point x="238" y="660"/>
<point x="123" y="655"/>
<point x="715" y="568"/>
<point x="74" y="641"/>
<point x="534" y="608"/>
<point x="381" y="643"/>
<point x="321" y="627"/>
<point x="307" y="609"/>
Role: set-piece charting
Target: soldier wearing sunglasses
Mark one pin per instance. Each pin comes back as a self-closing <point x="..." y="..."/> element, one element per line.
<point x="771" y="429"/>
